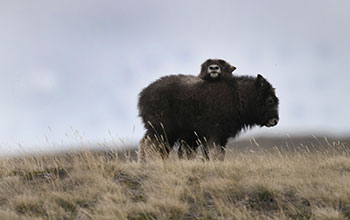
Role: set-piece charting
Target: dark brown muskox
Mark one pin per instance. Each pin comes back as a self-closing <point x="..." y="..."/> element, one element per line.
<point x="196" y="112"/>
<point x="216" y="69"/>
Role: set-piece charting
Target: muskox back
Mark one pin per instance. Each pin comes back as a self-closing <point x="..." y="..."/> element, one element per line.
<point x="162" y="103"/>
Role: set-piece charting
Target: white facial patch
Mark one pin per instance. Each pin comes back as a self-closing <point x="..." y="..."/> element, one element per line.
<point x="214" y="70"/>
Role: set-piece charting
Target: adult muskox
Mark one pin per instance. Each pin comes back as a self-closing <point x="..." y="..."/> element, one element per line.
<point x="196" y="112"/>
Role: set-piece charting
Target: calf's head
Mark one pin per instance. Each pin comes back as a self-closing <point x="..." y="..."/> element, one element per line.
<point x="214" y="69"/>
<point x="267" y="102"/>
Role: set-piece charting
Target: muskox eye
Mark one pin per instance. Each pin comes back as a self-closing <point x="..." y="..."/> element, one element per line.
<point x="269" y="101"/>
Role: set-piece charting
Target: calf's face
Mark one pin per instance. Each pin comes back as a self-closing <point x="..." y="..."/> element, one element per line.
<point x="268" y="103"/>
<point x="214" y="69"/>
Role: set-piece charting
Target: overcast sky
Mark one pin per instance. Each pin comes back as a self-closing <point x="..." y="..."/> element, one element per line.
<point x="71" y="70"/>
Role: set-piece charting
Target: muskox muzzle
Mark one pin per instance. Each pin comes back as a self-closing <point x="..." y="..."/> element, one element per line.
<point x="272" y="122"/>
<point x="214" y="70"/>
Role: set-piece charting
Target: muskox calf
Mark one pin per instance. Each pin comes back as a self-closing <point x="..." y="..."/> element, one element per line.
<point x="192" y="111"/>
<point x="216" y="69"/>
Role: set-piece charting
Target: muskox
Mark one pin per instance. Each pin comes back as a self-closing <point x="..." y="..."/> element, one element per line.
<point x="216" y="69"/>
<point x="191" y="111"/>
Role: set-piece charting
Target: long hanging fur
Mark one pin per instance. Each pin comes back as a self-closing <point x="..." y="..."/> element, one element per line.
<point x="197" y="112"/>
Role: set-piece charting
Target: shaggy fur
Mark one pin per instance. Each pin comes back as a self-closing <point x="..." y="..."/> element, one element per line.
<point x="197" y="112"/>
<point x="226" y="69"/>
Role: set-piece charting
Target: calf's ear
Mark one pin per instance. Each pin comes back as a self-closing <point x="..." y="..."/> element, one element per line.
<point x="206" y="62"/>
<point x="233" y="68"/>
<point x="260" y="81"/>
<point x="204" y="65"/>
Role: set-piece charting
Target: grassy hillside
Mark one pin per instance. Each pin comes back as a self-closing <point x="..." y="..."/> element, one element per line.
<point x="254" y="184"/>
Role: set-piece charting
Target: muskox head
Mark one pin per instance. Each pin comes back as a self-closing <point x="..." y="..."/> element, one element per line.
<point x="267" y="103"/>
<point x="213" y="69"/>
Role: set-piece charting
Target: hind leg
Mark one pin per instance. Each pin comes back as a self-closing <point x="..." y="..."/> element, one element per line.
<point x="190" y="150"/>
<point x="152" y="148"/>
<point x="215" y="149"/>
<point x="202" y="142"/>
<point x="143" y="149"/>
<point x="153" y="144"/>
<point x="180" y="151"/>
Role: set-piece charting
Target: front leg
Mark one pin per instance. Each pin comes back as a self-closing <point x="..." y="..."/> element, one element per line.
<point x="215" y="149"/>
<point x="219" y="152"/>
<point x="189" y="149"/>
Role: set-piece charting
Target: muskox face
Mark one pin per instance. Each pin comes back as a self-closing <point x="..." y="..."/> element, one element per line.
<point x="268" y="103"/>
<point x="214" y="69"/>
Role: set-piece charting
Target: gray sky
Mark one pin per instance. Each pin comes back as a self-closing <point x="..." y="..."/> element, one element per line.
<point x="68" y="66"/>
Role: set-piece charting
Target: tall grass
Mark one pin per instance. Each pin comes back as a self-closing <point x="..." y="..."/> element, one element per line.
<point x="249" y="185"/>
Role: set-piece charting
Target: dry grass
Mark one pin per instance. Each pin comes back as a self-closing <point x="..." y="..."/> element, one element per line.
<point x="249" y="185"/>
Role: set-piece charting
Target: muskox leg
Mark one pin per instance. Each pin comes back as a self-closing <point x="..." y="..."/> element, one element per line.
<point x="190" y="150"/>
<point x="142" y="151"/>
<point x="149" y="147"/>
<point x="191" y="153"/>
<point x="180" y="151"/>
<point x="214" y="150"/>
<point x="218" y="150"/>
<point x="205" y="152"/>
<point x="203" y="144"/>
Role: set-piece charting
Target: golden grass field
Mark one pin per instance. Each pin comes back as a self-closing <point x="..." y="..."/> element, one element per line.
<point x="254" y="184"/>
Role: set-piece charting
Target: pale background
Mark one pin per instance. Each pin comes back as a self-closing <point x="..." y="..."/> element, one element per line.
<point x="70" y="71"/>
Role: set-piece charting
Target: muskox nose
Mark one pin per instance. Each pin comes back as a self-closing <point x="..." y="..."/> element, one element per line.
<point x="272" y="122"/>
<point x="214" y="67"/>
<point x="275" y="121"/>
